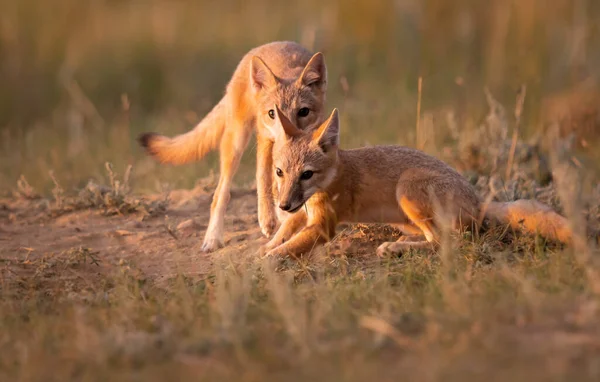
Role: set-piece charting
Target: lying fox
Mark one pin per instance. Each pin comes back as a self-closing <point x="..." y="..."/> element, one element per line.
<point x="284" y="73"/>
<point x="387" y="184"/>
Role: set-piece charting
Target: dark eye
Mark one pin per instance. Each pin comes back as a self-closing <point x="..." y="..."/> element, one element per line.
<point x="272" y="114"/>
<point x="303" y="112"/>
<point x="279" y="172"/>
<point x="306" y="175"/>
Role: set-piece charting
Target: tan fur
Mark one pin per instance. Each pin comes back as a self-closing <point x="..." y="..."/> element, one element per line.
<point x="533" y="217"/>
<point x="388" y="184"/>
<point x="282" y="73"/>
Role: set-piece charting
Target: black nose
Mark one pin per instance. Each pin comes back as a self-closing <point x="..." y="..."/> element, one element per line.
<point x="285" y="207"/>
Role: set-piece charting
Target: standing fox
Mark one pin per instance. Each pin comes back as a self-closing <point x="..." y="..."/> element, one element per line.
<point x="387" y="184"/>
<point x="282" y="73"/>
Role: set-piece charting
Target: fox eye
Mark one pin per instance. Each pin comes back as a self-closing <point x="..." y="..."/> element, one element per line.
<point x="303" y="112"/>
<point x="272" y="114"/>
<point x="279" y="172"/>
<point x="306" y="175"/>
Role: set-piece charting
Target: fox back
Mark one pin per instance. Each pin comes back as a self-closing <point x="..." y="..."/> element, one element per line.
<point x="367" y="183"/>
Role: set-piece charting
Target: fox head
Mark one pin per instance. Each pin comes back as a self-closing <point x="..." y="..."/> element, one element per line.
<point x="300" y="100"/>
<point x="304" y="161"/>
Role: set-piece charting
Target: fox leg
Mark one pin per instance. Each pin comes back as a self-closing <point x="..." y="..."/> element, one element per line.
<point x="288" y="228"/>
<point x="235" y="139"/>
<point x="421" y="216"/>
<point x="401" y="246"/>
<point x="410" y="232"/>
<point x="267" y="217"/>
<point x="319" y="227"/>
<point x="302" y="242"/>
<point x="411" y="238"/>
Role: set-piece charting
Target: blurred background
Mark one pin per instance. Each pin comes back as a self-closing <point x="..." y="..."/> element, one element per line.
<point x="79" y="80"/>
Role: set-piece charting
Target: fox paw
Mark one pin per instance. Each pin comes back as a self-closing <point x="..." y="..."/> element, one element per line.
<point x="388" y="248"/>
<point x="268" y="225"/>
<point x="397" y="248"/>
<point x="273" y="253"/>
<point x="268" y="251"/>
<point x="264" y="251"/>
<point x="211" y="244"/>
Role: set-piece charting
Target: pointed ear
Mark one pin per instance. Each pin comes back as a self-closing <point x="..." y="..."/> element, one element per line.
<point x="260" y="75"/>
<point x="315" y="72"/>
<point x="327" y="136"/>
<point x="283" y="127"/>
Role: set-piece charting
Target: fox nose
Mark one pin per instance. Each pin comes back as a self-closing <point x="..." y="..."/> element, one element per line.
<point x="285" y="207"/>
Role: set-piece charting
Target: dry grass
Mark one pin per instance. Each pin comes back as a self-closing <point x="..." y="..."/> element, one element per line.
<point x="115" y="198"/>
<point x="466" y="316"/>
<point x="490" y="305"/>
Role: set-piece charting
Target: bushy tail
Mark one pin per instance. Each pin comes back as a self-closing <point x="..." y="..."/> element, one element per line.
<point x="192" y="145"/>
<point x="533" y="217"/>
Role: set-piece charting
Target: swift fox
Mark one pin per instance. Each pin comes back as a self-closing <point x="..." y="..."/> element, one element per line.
<point x="282" y="73"/>
<point x="319" y="185"/>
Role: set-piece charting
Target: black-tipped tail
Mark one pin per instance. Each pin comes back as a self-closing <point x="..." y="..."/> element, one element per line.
<point x="190" y="146"/>
<point x="145" y="139"/>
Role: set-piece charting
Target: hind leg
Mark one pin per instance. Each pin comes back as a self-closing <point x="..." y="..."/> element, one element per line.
<point x="401" y="246"/>
<point x="408" y="229"/>
<point x="233" y="143"/>
<point x="432" y="200"/>
<point x="421" y="219"/>
<point x="413" y="194"/>
<point x="410" y="232"/>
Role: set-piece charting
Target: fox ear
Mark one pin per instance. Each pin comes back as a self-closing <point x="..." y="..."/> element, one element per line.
<point x="327" y="136"/>
<point x="283" y="127"/>
<point x="260" y="75"/>
<point x="315" y="72"/>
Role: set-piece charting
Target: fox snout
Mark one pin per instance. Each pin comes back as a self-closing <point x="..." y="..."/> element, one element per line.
<point x="285" y="206"/>
<point x="291" y="200"/>
<point x="291" y="204"/>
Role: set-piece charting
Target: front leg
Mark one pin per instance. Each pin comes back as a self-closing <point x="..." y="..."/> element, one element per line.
<point x="288" y="228"/>
<point x="301" y="243"/>
<point x="234" y="141"/>
<point x="321" y="221"/>
<point x="267" y="218"/>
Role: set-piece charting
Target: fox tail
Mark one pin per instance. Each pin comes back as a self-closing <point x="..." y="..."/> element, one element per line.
<point x="190" y="146"/>
<point x="531" y="217"/>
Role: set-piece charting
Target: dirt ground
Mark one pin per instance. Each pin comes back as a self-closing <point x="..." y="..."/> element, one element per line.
<point x="160" y="247"/>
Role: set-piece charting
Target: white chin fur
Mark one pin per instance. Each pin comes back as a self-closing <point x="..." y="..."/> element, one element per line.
<point x="281" y="214"/>
<point x="269" y="130"/>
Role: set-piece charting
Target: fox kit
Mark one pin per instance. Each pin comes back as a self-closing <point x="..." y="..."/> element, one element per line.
<point x="319" y="185"/>
<point x="282" y="73"/>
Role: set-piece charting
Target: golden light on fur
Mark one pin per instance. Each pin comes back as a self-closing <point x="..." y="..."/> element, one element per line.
<point x="279" y="73"/>
<point x="385" y="184"/>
